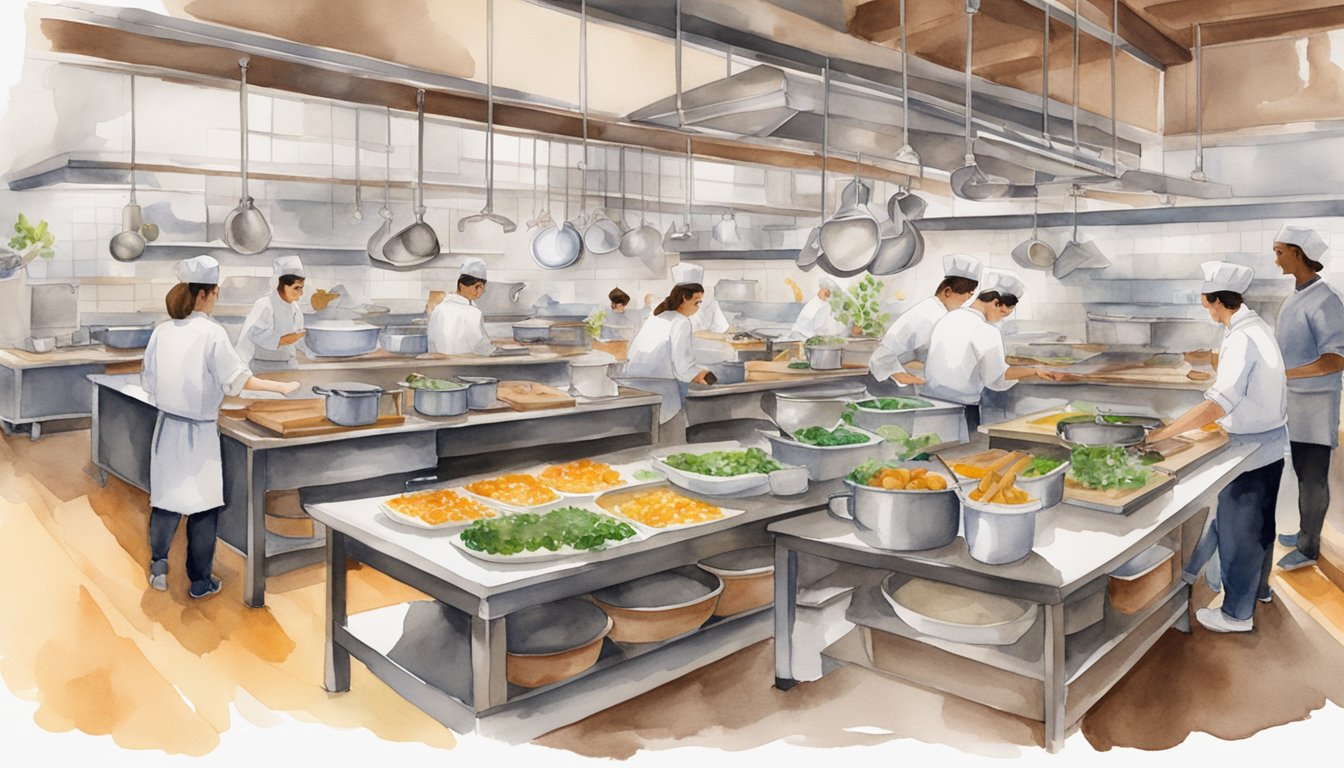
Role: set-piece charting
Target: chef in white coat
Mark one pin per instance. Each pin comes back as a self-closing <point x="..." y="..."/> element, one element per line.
<point x="457" y="326"/>
<point x="710" y="316"/>
<point x="1310" y="331"/>
<point x="1248" y="398"/>
<point x="966" y="353"/>
<point x="268" y="340"/>
<point x="816" y="318"/>
<point x="914" y="327"/>
<point x="189" y="366"/>
<point x="661" y="350"/>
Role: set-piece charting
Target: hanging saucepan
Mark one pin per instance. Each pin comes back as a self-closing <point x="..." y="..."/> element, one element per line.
<point x="897" y="250"/>
<point x="557" y="246"/>
<point x="850" y="238"/>
<point x="908" y="204"/>
<point x="643" y="240"/>
<point x="603" y="234"/>
<point x="418" y="242"/>
<point x="245" y="229"/>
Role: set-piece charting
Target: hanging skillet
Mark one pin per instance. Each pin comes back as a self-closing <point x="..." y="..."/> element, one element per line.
<point x="643" y="240"/>
<point x="418" y="242"/>
<point x="245" y="229"/>
<point x="129" y="244"/>
<point x="558" y="246"/>
<point x="488" y="212"/>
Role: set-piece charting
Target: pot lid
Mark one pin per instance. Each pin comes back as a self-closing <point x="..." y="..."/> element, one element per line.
<point x="554" y="627"/>
<point x="661" y="591"/>
<point x="742" y="561"/>
<point x="339" y="325"/>
<point x="354" y="387"/>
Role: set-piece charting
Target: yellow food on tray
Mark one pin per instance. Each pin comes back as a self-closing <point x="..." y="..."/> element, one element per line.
<point x="582" y="476"/>
<point x="997" y="489"/>
<point x="1053" y="419"/>
<point x="517" y="489"/>
<point x="659" y="509"/>
<point x="902" y="479"/>
<point x="439" y="507"/>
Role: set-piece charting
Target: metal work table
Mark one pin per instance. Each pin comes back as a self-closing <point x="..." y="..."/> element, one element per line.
<point x="484" y="594"/>
<point x="257" y="461"/>
<point x="51" y="386"/>
<point x="727" y="402"/>
<point x="1045" y="676"/>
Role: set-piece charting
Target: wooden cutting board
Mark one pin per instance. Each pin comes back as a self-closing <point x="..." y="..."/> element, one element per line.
<point x="531" y="396"/>
<point x="1186" y="460"/>
<point x="772" y="370"/>
<point x="1120" y="502"/>
<point x="305" y="422"/>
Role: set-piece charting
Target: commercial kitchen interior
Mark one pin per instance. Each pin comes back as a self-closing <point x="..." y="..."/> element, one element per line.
<point x="1262" y="123"/>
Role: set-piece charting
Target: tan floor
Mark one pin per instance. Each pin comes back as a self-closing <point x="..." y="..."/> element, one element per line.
<point x="102" y="654"/>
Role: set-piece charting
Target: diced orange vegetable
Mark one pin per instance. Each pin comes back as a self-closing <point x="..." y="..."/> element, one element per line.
<point x="516" y="489"/>
<point x="661" y="508"/>
<point x="438" y="507"/>
<point x="582" y="476"/>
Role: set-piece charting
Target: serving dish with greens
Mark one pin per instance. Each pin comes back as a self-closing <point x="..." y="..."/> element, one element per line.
<point x="827" y="453"/>
<point x="529" y="536"/>
<point x="720" y="472"/>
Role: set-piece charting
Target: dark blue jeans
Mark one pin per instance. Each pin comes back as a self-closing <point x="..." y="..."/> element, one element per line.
<point x="201" y="530"/>
<point x="1245" y="532"/>
<point x="1312" y="465"/>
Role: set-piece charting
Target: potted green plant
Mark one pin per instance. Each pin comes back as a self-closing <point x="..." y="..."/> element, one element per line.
<point x="860" y="309"/>
<point x="28" y="243"/>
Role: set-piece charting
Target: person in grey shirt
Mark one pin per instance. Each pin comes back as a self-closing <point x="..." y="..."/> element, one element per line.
<point x="1310" y="332"/>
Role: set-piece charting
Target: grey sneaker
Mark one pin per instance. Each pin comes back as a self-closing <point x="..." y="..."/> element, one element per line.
<point x="210" y="590"/>
<point x="1294" y="560"/>
<point x="1269" y="598"/>
<point x="1288" y="539"/>
<point x="1214" y="620"/>
<point x="158" y="575"/>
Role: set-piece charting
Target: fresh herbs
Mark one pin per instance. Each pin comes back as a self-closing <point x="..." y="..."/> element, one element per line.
<point x="1107" y="467"/>
<point x="859" y="306"/>
<point x="528" y="532"/>
<point x="894" y="404"/>
<point x="421" y="381"/>
<point x="907" y="447"/>
<point x="593" y="323"/>
<point x="801" y="365"/>
<point x="27" y="236"/>
<point x="723" y="463"/>
<point x="820" y="436"/>
<point x="824" y="341"/>
<point x="1041" y="466"/>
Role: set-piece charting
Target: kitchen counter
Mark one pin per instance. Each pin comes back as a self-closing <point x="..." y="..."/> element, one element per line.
<point x="37" y="387"/>
<point x="257" y="461"/>
<point x="22" y="359"/>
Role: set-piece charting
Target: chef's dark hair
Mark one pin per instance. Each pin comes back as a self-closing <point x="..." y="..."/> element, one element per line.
<point x="956" y="284"/>
<point x="288" y="280"/>
<point x="680" y="293"/>
<point x="1230" y="299"/>
<point x="1312" y="264"/>
<point x="1005" y="299"/>
<point x="617" y="296"/>
<point x="181" y="298"/>
<point x="468" y="281"/>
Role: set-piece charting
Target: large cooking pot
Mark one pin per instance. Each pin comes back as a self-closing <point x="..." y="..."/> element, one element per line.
<point x="900" y="520"/>
<point x="337" y="338"/>
<point x="792" y="411"/>
<point x="590" y="375"/>
<point x="825" y="357"/>
<point x="351" y="403"/>
<point x="441" y="402"/>
<point x="482" y="391"/>
<point x="126" y="336"/>
<point x="532" y="331"/>
<point x="404" y="339"/>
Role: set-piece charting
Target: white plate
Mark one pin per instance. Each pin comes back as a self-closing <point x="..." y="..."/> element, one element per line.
<point x="626" y="481"/>
<point x="650" y="530"/>
<point x="752" y="482"/>
<point x="507" y="507"/>
<point x="415" y="522"/>
<point x="544" y="555"/>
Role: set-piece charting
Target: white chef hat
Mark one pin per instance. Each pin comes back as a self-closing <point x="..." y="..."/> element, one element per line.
<point x="1306" y="239"/>
<point x="198" y="269"/>
<point x="1003" y="282"/>
<point x="829" y="284"/>
<point x="688" y="273"/>
<point x="473" y="268"/>
<point x="288" y="265"/>
<point x="1225" y="276"/>
<point x="962" y="265"/>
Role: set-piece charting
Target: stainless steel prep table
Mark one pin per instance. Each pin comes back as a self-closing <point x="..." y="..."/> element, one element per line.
<point x="487" y="593"/>
<point x="257" y="460"/>
<point x="50" y="386"/>
<point x="1045" y="676"/>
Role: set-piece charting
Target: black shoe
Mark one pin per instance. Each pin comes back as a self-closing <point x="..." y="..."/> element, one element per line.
<point x="210" y="590"/>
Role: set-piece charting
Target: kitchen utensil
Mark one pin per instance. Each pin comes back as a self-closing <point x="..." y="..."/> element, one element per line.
<point x="850" y="238"/>
<point x="245" y="228"/>
<point x="825" y="462"/>
<point x="558" y="246"/>
<point x="999" y="533"/>
<point x="907" y="153"/>
<point x="1092" y="433"/>
<point x="792" y="411"/>
<point x="748" y="579"/>
<point x="480" y="391"/>
<point x="129" y="244"/>
<point x="488" y="212"/>
<point x="735" y="290"/>
<point x="357" y="213"/>
<point x="309" y="419"/>
<point x="1049" y="488"/>
<point x="896" y="247"/>
<point x="644" y="240"/>
<point x="660" y="606"/>
<point x="957" y="614"/>
<point x="827" y="358"/>
<point x="440" y="402"/>
<point x="126" y="336"/>
<point x="340" y="338"/>
<point x="554" y="641"/>
<point x="1139" y="581"/>
<point x="725" y="230"/>
<point x="682" y="235"/>
<point x="417" y="242"/>
<point x="531" y="331"/>
<point x="1078" y="255"/>
<point x="351" y="403"/>
<point x="900" y="520"/>
<point x="604" y="233"/>
<point x="589" y="375"/>
<point x="1034" y="253"/>
<point x="404" y="339"/>
<point x="383" y="233"/>
<point x="909" y="205"/>
<point x="811" y="250"/>
<point x="532" y="396"/>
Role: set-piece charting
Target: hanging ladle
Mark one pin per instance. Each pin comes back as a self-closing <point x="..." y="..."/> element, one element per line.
<point x="811" y="250"/>
<point x="245" y="229"/>
<point x="380" y="235"/>
<point x="129" y="244"/>
<point x="488" y="212"/>
<point x="418" y="241"/>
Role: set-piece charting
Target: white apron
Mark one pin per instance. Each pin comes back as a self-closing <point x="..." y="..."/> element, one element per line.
<point x="259" y="341"/>
<point x="186" y="474"/>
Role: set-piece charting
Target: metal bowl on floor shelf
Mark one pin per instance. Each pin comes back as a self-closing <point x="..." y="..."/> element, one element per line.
<point x="554" y="641"/>
<point x="660" y="606"/>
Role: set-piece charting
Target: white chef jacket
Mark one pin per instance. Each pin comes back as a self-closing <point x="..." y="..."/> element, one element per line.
<point x="458" y="328"/>
<point x="662" y="349"/>
<point x="966" y="357"/>
<point x="1251" y="388"/>
<point x="271" y="317"/>
<point x="911" y="331"/>
<point x="189" y="366"/>
<point x="709" y="318"/>
<point x="1311" y="324"/>
<point x="815" y="319"/>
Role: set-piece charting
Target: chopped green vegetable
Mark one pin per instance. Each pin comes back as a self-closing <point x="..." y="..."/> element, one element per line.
<point x="894" y="404"/>
<point x="1148" y="458"/>
<point x="801" y="365"/>
<point x="910" y="447"/>
<point x="827" y="437"/>
<point x="824" y="341"/>
<point x="1106" y="467"/>
<point x="724" y="463"/>
<point x="420" y="381"/>
<point x="892" y="432"/>
<point x="1041" y="466"/>
<point x="647" y="474"/>
<point x="528" y="532"/>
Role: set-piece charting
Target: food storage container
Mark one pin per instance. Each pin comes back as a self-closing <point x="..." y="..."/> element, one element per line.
<point x="825" y="462"/>
<point x="711" y="485"/>
<point x="748" y="578"/>
<point x="335" y="338"/>
<point x="1138" y="582"/>
<point x="481" y="391"/>
<point x="126" y="336"/>
<point x="554" y="641"/>
<point x="827" y="358"/>
<point x="954" y="613"/>
<point x="944" y="419"/>
<point x="999" y="533"/>
<point x="1085" y="607"/>
<point x="1092" y="433"/>
<point x="404" y="339"/>
<point x="532" y="331"/>
<point x="1049" y="488"/>
<point x="792" y="411"/>
<point x="351" y="403"/>
<point x="900" y="520"/>
<point x="660" y="606"/>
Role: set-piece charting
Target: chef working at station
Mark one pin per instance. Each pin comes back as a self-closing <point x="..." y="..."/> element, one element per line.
<point x="914" y="327"/>
<point x="621" y="321"/>
<point x="966" y="353"/>
<point x="272" y="330"/>
<point x="816" y="317"/>
<point x="1310" y="331"/>
<point x="189" y="367"/>
<point x="1248" y="398"/>
<point x="457" y="326"/>
<point x="661" y="350"/>
<point x="710" y="317"/>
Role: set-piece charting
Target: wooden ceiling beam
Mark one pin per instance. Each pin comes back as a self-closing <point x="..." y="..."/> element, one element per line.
<point x="1181" y="14"/>
<point x="1277" y="25"/>
<point x="1137" y="30"/>
<point x="880" y="20"/>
